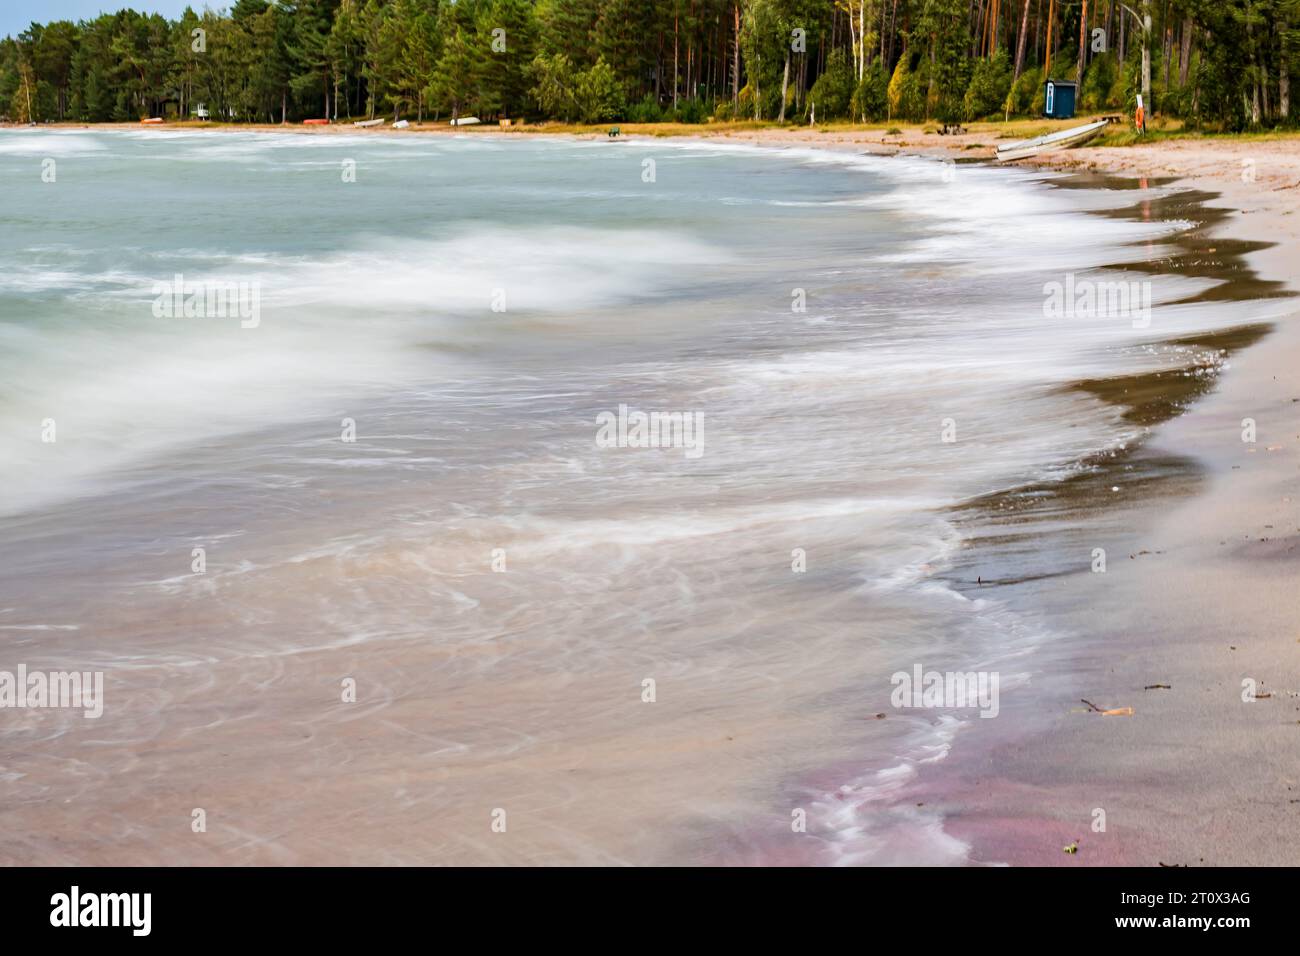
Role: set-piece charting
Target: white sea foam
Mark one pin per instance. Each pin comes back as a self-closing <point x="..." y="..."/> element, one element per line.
<point x="121" y="383"/>
<point x="48" y="143"/>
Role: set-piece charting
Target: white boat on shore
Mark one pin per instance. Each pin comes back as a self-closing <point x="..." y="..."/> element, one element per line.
<point x="1062" y="139"/>
<point x="373" y="122"/>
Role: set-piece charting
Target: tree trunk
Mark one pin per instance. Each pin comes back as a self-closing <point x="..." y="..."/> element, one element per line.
<point x="883" y="27"/>
<point x="674" y="62"/>
<point x="1020" y="44"/>
<point x="862" y="37"/>
<point x="1047" y="64"/>
<point x="785" y="84"/>
<point x="893" y="19"/>
<point x="1083" y="47"/>
<point x="1253" y="106"/>
<point x="853" y="41"/>
<point x="1185" y="54"/>
<point x="735" y="66"/>
<point x="1283" y="78"/>
<point x="1146" y="58"/>
<point x="1168" y="50"/>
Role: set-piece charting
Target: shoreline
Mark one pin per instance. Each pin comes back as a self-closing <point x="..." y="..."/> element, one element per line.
<point x="1204" y="597"/>
<point x="1163" y="631"/>
<point x="1191" y="777"/>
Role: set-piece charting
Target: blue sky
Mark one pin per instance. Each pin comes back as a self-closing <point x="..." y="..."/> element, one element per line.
<point x="15" y="15"/>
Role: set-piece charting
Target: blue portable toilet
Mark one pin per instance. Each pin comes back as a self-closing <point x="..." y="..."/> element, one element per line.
<point x="1058" y="99"/>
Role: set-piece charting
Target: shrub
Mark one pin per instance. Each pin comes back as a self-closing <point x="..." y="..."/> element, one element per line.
<point x="647" y="111"/>
<point x="598" y="94"/>
<point x="1020" y="99"/>
<point x="989" y="87"/>
<point x="745" y="102"/>
<point x="904" y="96"/>
<point x="870" y="100"/>
<point x="1098" y="83"/>
<point x="553" y="85"/>
<point x="833" y="91"/>
<point x="690" y="111"/>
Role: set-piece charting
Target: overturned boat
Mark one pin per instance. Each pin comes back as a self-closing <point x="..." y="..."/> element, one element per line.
<point x="1062" y="139"/>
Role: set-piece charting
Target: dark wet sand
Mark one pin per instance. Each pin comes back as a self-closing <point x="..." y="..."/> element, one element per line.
<point x="1202" y="542"/>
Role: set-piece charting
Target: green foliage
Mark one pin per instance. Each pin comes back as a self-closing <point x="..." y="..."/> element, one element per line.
<point x="989" y="86"/>
<point x="871" y="97"/>
<point x="555" y="86"/>
<point x="598" y="94"/>
<point x="904" y="98"/>
<point x="570" y="59"/>
<point x="505" y="79"/>
<point x="1021" y="97"/>
<point x="455" y="77"/>
<point x="745" y="107"/>
<point x="690" y="111"/>
<point x="646" y="111"/>
<point x="832" y="94"/>
<point x="1097" y="92"/>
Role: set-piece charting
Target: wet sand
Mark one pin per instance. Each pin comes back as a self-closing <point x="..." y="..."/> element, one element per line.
<point x="1199" y="594"/>
<point x="1203" y="546"/>
<point x="1200" y="591"/>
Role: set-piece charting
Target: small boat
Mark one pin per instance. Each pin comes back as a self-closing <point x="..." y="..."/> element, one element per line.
<point x="315" y="122"/>
<point x="401" y="124"/>
<point x="152" y="119"/>
<point x="373" y="122"/>
<point x="466" y="121"/>
<point x="1062" y="139"/>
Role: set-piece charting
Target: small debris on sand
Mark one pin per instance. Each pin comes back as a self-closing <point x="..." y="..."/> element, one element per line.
<point x="1112" y="712"/>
